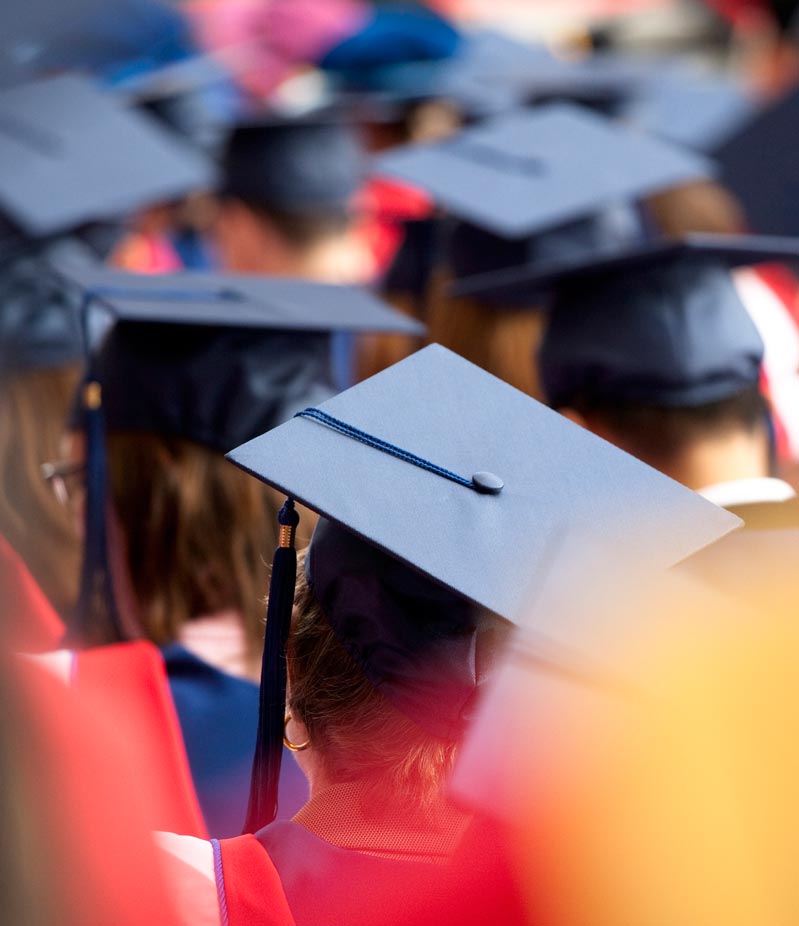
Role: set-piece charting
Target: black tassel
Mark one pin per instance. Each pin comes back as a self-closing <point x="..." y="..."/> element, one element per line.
<point x="262" y="807"/>
<point x="97" y="619"/>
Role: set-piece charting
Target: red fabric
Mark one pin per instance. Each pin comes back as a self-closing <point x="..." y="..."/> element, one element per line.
<point x="130" y="681"/>
<point x="383" y="206"/>
<point x="253" y="893"/>
<point x="785" y="287"/>
<point x="83" y="799"/>
<point x="28" y="620"/>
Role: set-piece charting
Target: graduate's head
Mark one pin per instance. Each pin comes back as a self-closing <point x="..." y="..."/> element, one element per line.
<point x="354" y="728"/>
<point x="652" y="348"/>
<point x="288" y="187"/>
<point x="664" y="361"/>
<point x="442" y="491"/>
<point x="188" y="366"/>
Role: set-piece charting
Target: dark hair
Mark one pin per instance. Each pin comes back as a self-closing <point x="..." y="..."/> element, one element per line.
<point x="358" y="734"/>
<point x="658" y="434"/>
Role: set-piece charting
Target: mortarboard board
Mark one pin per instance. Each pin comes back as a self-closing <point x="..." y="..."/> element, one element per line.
<point x="660" y="323"/>
<point x="117" y="40"/>
<point x="400" y="469"/>
<point x="294" y="164"/>
<point x="39" y="320"/>
<point x="758" y="167"/>
<point x="69" y="154"/>
<point x="688" y="107"/>
<point x="528" y="171"/>
<point x="209" y="357"/>
<point x="29" y="29"/>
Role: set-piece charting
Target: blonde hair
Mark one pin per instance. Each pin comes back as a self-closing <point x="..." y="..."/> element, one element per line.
<point x="358" y="735"/>
<point x="34" y="405"/>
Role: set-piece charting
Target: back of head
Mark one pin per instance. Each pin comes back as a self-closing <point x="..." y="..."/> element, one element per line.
<point x="676" y="335"/>
<point x="661" y="361"/>
<point x="176" y="398"/>
<point x="301" y="169"/>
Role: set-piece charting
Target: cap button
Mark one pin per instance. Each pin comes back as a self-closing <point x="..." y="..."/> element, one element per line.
<point x="487" y="483"/>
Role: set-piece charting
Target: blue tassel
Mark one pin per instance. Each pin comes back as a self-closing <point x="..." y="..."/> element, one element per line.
<point x="97" y="619"/>
<point x="262" y="807"/>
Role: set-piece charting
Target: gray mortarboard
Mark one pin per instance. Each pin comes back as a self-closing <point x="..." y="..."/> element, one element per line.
<point x="40" y="326"/>
<point x="294" y="164"/>
<point x="70" y="154"/>
<point x="196" y="97"/>
<point x="441" y="490"/>
<point x="758" y="166"/>
<point x="688" y="107"/>
<point x="660" y="324"/>
<point x="212" y="358"/>
<point x="531" y="170"/>
<point x="29" y="29"/>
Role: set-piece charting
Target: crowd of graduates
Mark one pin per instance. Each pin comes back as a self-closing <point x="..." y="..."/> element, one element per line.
<point x="399" y="454"/>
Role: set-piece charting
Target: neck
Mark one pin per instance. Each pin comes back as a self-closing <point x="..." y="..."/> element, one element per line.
<point x="725" y="458"/>
<point x="333" y="259"/>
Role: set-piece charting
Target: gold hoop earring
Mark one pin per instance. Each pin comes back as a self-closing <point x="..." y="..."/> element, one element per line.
<point x="294" y="747"/>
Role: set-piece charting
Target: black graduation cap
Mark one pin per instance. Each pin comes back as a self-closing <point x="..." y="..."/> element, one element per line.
<point x="442" y="490"/>
<point x="214" y="358"/>
<point x="522" y="173"/>
<point x="295" y="164"/>
<point x="758" y="166"/>
<point x="661" y="323"/>
<point x="70" y="154"/>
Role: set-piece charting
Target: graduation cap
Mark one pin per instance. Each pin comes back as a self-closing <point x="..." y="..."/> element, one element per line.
<point x="39" y="320"/>
<point x="30" y="28"/>
<point x="213" y="358"/>
<point x="486" y="73"/>
<point x="661" y="323"/>
<point x="757" y="165"/>
<point x="442" y="491"/>
<point x="698" y="110"/>
<point x="70" y="154"/>
<point x="294" y="164"/>
<point x="520" y="174"/>
<point x="472" y="252"/>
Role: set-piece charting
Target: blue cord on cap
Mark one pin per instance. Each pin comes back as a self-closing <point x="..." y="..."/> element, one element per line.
<point x="485" y="483"/>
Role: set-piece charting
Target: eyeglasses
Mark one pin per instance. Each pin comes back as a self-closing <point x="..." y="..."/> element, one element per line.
<point x="65" y="477"/>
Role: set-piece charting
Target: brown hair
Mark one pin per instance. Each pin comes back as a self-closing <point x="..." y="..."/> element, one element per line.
<point x="33" y="409"/>
<point x="197" y="531"/>
<point x="700" y="206"/>
<point x="503" y="341"/>
<point x="658" y="435"/>
<point x="358" y="734"/>
<point x="376" y="352"/>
